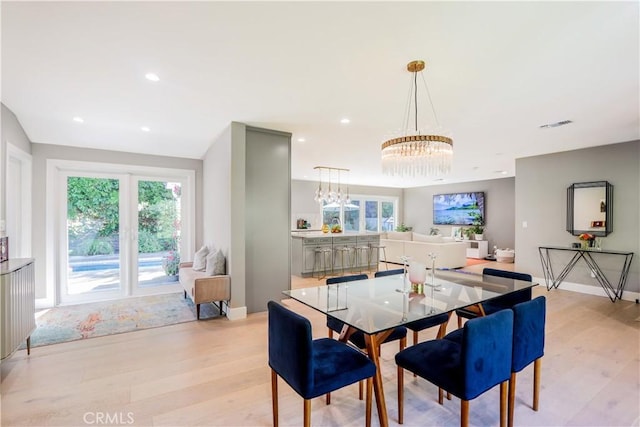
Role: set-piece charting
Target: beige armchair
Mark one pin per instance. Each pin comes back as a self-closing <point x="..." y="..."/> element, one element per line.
<point x="202" y="288"/>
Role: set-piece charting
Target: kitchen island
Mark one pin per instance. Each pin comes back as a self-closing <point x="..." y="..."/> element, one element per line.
<point x="305" y="243"/>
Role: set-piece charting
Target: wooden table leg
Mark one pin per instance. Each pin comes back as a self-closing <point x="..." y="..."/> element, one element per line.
<point x="372" y="352"/>
<point x="373" y="342"/>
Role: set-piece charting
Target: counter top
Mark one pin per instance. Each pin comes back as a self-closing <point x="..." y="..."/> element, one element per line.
<point x="312" y="234"/>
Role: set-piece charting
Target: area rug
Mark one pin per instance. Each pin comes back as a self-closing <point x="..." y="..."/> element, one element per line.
<point x="474" y="261"/>
<point x="83" y="321"/>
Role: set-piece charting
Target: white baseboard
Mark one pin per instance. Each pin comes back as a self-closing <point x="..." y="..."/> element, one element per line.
<point x="590" y="290"/>
<point x="236" y="313"/>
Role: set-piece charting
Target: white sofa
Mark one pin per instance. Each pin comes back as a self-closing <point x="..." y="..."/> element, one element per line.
<point x="449" y="253"/>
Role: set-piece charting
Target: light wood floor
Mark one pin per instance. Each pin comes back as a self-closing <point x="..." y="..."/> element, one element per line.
<point x="215" y="373"/>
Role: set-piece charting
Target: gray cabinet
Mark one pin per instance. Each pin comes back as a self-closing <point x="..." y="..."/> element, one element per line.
<point x="303" y="252"/>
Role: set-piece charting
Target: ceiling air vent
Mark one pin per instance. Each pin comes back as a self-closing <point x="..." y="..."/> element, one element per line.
<point x="556" y="124"/>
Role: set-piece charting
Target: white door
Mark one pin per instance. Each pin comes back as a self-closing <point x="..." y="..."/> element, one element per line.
<point x="121" y="234"/>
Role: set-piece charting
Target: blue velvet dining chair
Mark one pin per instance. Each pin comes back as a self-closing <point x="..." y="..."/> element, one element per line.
<point x="441" y="320"/>
<point x="500" y="303"/>
<point x="528" y="346"/>
<point x="477" y="359"/>
<point x="311" y="367"/>
<point x="357" y="338"/>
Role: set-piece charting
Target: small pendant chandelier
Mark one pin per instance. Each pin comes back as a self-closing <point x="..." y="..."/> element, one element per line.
<point x="417" y="152"/>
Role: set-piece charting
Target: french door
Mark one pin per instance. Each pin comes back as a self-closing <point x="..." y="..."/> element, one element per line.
<point x="120" y="234"/>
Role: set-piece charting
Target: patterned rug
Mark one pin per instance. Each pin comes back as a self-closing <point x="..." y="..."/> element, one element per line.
<point x="82" y="321"/>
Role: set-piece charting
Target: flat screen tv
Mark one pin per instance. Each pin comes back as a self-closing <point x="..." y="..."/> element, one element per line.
<point x="457" y="208"/>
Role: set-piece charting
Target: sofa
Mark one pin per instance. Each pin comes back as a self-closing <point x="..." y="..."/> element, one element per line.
<point x="202" y="287"/>
<point x="449" y="253"/>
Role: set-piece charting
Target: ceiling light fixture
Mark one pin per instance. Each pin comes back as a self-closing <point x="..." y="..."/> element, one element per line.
<point x="345" y="121"/>
<point x="145" y="129"/>
<point x="78" y="119"/>
<point x="556" y="124"/>
<point x="152" y="77"/>
<point x="329" y="197"/>
<point x="417" y="152"/>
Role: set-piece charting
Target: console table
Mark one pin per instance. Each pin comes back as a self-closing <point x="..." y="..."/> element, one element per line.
<point x="477" y="248"/>
<point x="590" y="256"/>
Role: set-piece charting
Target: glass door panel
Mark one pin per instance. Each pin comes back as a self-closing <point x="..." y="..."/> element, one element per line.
<point x="388" y="216"/>
<point x="92" y="239"/>
<point x="352" y="216"/>
<point x="158" y="232"/>
<point x="371" y="215"/>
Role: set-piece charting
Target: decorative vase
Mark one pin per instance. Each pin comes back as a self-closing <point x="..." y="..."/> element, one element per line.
<point x="584" y="244"/>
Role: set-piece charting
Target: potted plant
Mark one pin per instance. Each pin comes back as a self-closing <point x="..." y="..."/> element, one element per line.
<point x="477" y="226"/>
<point x="403" y="227"/>
<point x="171" y="263"/>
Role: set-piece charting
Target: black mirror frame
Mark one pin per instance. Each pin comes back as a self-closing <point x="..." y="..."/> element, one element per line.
<point x="608" y="229"/>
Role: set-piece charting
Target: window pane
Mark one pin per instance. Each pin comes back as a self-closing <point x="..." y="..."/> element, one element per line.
<point x="371" y="215"/>
<point x="352" y="216"/>
<point x="388" y="216"/>
<point x="329" y="213"/>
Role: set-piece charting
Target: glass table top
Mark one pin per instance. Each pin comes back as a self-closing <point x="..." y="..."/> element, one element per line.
<point x="382" y="303"/>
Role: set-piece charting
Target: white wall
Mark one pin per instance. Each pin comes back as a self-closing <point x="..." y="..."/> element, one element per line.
<point x="10" y="132"/>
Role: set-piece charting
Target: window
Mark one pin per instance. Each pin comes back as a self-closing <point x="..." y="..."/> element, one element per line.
<point x="364" y="213"/>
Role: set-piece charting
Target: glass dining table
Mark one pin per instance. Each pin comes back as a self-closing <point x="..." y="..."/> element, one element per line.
<point x="377" y="306"/>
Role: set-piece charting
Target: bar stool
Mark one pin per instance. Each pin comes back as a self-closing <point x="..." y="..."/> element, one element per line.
<point x="361" y="256"/>
<point x="377" y="247"/>
<point x="342" y="251"/>
<point x="321" y="254"/>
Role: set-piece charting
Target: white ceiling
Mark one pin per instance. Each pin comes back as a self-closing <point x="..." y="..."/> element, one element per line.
<point x="496" y="72"/>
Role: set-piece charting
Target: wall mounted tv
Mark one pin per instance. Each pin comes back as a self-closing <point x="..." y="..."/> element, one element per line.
<point x="457" y="208"/>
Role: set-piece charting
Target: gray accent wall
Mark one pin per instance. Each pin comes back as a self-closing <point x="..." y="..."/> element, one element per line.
<point x="541" y="188"/>
<point x="499" y="209"/>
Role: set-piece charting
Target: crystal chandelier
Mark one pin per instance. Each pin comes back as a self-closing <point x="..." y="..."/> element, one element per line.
<point x="417" y="152"/>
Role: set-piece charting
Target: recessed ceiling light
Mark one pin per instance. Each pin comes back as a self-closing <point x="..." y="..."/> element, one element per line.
<point x="145" y="129"/>
<point x="152" y="77"/>
<point x="439" y="179"/>
<point x="500" y="172"/>
<point x="301" y="140"/>
<point x="556" y="124"/>
<point x="345" y="121"/>
<point x="78" y="119"/>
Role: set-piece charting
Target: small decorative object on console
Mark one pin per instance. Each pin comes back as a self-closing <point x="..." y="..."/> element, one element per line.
<point x="4" y="249"/>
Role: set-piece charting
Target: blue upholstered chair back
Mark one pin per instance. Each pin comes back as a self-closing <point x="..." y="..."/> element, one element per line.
<point x="333" y="323"/>
<point x="486" y="352"/>
<point x="388" y="272"/>
<point x="290" y="347"/>
<point x="528" y="332"/>
<point x="342" y="279"/>
<point x="514" y="298"/>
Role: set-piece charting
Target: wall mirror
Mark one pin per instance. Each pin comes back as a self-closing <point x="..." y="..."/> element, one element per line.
<point x="590" y="208"/>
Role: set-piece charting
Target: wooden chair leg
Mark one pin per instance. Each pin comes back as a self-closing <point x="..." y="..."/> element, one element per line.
<point x="307" y="412"/>
<point x="537" y="364"/>
<point x="369" y="402"/>
<point x="503" y="403"/>
<point x="440" y="395"/>
<point x="360" y="387"/>
<point x="274" y="397"/>
<point x="328" y="397"/>
<point x="330" y="333"/>
<point x="464" y="413"/>
<point x="415" y="337"/>
<point x="512" y="399"/>
<point x="459" y="322"/>
<point x="197" y="311"/>
<point x="400" y="395"/>
<point x="448" y="396"/>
